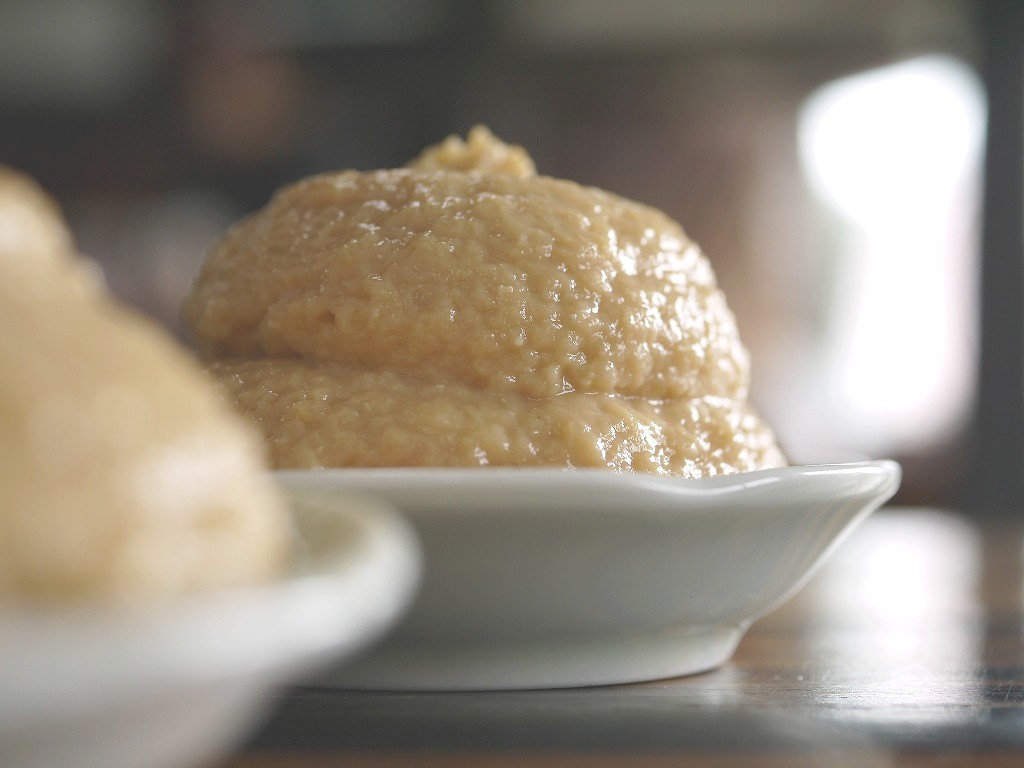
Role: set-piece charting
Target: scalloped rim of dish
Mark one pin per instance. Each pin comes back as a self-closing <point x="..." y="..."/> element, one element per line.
<point x="546" y="577"/>
<point x="422" y="489"/>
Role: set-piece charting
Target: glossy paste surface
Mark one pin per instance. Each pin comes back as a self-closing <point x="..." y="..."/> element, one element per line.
<point x="466" y="311"/>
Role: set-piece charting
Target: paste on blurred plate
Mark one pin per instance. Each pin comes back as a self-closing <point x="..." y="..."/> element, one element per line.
<point x="123" y="475"/>
<point x="464" y="311"/>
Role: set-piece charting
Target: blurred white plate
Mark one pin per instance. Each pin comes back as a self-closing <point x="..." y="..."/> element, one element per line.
<point x="540" y="578"/>
<point x="174" y="685"/>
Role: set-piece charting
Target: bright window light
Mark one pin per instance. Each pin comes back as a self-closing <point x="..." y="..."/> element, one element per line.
<point x="895" y="152"/>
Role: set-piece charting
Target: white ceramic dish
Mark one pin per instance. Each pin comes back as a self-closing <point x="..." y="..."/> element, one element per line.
<point x="172" y="686"/>
<point x="539" y="578"/>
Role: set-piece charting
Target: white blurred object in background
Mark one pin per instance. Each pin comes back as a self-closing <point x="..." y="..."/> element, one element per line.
<point x="896" y="153"/>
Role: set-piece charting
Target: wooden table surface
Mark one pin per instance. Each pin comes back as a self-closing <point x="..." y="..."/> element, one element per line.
<point x="906" y="649"/>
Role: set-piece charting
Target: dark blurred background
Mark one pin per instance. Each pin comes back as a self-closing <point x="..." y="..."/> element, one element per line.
<point x="829" y="156"/>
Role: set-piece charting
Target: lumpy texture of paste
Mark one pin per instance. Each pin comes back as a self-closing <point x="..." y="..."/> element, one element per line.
<point x="464" y="311"/>
<point x="124" y="475"/>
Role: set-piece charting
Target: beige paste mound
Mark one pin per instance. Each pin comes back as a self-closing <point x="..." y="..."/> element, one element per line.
<point x="123" y="474"/>
<point x="328" y="415"/>
<point x="34" y="243"/>
<point x="481" y="313"/>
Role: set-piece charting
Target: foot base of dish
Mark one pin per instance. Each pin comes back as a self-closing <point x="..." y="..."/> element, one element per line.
<point x="533" y="665"/>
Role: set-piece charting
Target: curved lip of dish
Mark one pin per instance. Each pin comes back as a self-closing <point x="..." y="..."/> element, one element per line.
<point x="324" y="606"/>
<point x="557" y="546"/>
<point x="855" y="478"/>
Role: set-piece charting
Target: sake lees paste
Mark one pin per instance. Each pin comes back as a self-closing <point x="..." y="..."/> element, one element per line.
<point x="464" y="311"/>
